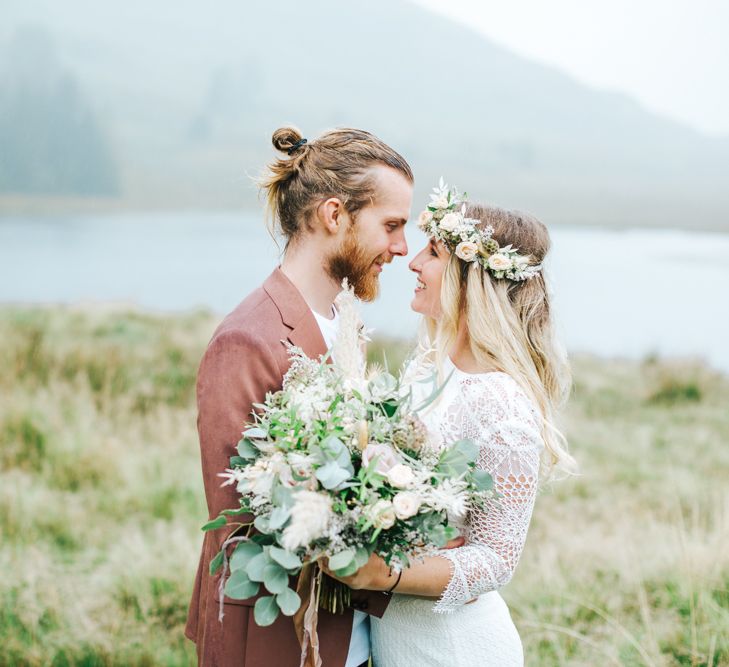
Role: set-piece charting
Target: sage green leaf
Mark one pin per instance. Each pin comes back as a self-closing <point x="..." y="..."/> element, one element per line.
<point x="261" y="524"/>
<point x="285" y="558"/>
<point x="278" y="518"/>
<point x="266" y="610"/>
<point x="361" y="556"/>
<point x="242" y="555"/>
<point x="482" y="480"/>
<point x="331" y="475"/>
<point x="216" y="562"/>
<point x="342" y="559"/>
<point x="256" y="566"/>
<point x="347" y="571"/>
<point x="288" y="601"/>
<point x="240" y="587"/>
<point x="247" y="450"/>
<point x="275" y="578"/>
<point x="215" y="523"/>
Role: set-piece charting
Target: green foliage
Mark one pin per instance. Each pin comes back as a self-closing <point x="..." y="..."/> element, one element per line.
<point x="101" y="502"/>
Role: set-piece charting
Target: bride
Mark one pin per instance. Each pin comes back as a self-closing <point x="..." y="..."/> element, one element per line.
<point x="489" y="334"/>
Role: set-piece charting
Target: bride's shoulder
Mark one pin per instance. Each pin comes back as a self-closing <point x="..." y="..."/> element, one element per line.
<point x="496" y="393"/>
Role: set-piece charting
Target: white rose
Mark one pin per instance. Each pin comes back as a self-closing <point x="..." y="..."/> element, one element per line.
<point x="386" y="457"/>
<point x="400" y="476"/>
<point x="499" y="262"/>
<point x="450" y="222"/>
<point x="424" y="219"/>
<point x="467" y="250"/>
<point x="440" y="201"/>
<point x="406" y="504"/>
<point x="382" y="514"/>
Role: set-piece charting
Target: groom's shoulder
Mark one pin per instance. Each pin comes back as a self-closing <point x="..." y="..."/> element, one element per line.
<point x="254" y="322"/>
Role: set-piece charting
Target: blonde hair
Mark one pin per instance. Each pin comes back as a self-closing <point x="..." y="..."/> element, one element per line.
<point x="509" y="323"/>
<point x="336" y="164"/>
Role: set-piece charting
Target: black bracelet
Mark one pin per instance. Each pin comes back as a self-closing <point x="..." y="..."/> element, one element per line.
<point x="392" y="588"/>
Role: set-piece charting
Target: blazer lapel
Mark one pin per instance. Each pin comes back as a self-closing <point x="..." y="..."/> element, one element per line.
<point x="295" y="314"/>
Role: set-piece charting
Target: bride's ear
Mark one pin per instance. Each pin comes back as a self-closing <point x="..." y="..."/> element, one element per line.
<point x="332" y="215"/>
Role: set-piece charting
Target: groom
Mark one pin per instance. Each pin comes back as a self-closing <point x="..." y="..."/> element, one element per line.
<point x="341" y="203"/>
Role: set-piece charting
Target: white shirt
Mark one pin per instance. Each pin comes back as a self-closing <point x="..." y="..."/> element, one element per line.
<point x="359" y="644"/>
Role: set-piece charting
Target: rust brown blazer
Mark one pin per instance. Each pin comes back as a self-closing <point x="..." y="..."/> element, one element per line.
<point x="246" y="358"/>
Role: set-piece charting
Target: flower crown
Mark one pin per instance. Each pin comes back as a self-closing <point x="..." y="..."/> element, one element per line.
<point x="445" y="219"/>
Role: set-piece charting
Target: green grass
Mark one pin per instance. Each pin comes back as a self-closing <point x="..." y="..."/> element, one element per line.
<point x="101" y="502"/>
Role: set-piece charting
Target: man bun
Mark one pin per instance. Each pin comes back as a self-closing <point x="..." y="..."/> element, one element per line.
<point x="285" y="138"/>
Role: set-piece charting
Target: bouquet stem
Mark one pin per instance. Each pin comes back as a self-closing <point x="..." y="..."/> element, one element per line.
<point x="334" y="596"/>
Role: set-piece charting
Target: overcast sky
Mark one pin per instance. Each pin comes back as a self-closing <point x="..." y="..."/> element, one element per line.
<point x="671" y="55"/>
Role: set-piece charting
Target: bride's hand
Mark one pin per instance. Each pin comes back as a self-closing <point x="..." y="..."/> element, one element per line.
<point x="374" y="575"/>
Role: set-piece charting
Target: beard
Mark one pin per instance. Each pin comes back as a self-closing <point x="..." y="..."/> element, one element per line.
<point x="350" y="261"/>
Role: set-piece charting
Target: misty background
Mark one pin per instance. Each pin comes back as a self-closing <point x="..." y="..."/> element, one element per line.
<point x="130" y="135"/>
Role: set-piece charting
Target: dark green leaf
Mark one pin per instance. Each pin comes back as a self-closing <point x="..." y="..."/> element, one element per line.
<point x="215" y="523"/>
<point x="216" y="562"/>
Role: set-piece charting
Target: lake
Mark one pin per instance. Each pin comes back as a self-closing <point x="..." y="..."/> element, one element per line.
<point x="625" y="293"/>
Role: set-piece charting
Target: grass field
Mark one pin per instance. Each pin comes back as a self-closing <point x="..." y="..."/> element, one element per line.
<point x="101" y="502"/>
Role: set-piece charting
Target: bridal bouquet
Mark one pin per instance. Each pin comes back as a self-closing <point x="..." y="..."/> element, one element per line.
<point x="337" y="464"/>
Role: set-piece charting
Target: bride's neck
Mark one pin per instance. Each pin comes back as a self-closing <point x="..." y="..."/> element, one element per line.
<point x="463" y="357"/>
<point x="304" y="267"/>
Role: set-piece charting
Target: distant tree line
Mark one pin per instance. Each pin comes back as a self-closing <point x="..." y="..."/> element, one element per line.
<point x="50" y="140"/>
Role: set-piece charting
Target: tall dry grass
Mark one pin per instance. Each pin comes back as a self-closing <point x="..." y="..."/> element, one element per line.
<point x="101" y="502"/>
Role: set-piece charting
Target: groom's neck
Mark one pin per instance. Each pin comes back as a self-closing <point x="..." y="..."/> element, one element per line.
<point x="303" y="265"/>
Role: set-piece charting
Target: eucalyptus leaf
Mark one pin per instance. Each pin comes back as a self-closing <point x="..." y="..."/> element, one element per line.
<point x="288" y="601"/>
<point x="255" y="432"/>
<point x="275" y="578"/>
<point x="347" y="571"/>
<point x="331" y="475"/>
<point x="482" y="480"/>
<point x="342" y="559"/>
<point x="266" y="610"/>
<point x="243" y="554"/>
<point x="361" y="556"/>
<point x="240" y="587"/>
<point x="278" y="518"/>
<point x="285" y="558"/>
<point x="261" y="524"/>
<point x="247" y="450"/>
<point x="256" y="566"/>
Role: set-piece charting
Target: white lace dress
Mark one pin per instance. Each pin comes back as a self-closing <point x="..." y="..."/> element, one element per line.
<point x="470" y="624"/>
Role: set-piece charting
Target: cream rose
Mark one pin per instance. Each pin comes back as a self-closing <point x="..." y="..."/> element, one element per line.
<point x="385" y="454"/>
<point x="440" y="202"/>
<point x="401" y="476"/>
<point x="382" y="514"/>
<point x="467" y="250"/>
<point x="424" y="219"/>
<point x="406" y="504"/>
<point x="450" y="222"/>
<point x="499" y="262"/>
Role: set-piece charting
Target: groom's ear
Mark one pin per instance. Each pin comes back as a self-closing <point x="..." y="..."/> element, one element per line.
<point x="332" y="215"/>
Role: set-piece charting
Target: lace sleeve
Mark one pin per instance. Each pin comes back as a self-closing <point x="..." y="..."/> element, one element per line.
<point x="495" y="413"/>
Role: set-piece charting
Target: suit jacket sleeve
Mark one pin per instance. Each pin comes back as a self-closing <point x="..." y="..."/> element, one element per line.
<point x="237" y="371"/>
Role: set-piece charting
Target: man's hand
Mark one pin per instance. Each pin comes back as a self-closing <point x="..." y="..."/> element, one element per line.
<point x="375" y="575"/>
